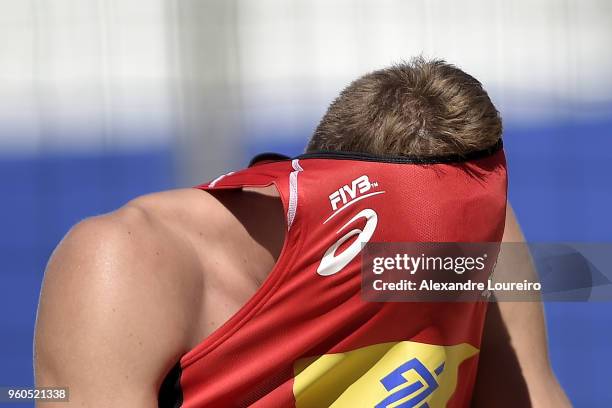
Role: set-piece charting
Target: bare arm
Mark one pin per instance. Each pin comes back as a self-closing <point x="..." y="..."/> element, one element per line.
<point x="114" y="315"/>
<point x="514" y="368"/>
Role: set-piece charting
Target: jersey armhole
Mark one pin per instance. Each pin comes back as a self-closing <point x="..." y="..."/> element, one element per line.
<point x="290" y="249"/>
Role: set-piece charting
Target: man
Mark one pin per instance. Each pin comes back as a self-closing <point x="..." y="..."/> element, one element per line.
<point x="246" y="291"/>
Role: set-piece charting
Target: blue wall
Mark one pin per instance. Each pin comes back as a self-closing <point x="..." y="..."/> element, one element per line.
<point x="42" y="197"/>
<point x="561" y="190"/>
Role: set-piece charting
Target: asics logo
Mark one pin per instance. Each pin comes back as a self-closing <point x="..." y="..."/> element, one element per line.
<point x="332" y="263"/>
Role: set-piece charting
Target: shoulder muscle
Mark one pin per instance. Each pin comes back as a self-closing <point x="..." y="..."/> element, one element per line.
<point x="115" y="308"/>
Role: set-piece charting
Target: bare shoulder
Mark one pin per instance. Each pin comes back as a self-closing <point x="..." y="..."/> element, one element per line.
<point x="126" y="294"/>
<point x="146" y="241"/>
<point x="120" y="294"/>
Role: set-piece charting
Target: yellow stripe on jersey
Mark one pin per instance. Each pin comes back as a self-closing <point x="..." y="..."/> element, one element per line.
<point x="404" y="374"/>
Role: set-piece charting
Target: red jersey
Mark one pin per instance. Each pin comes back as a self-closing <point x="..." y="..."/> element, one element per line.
<point x="307" y="338"/>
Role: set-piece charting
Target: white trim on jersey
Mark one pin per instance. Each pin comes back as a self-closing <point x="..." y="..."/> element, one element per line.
<point x="293" y="192"/>
<point x="215" y="181"/>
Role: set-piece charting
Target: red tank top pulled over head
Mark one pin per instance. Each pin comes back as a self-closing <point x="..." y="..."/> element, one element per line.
<point x="307" y="338"/>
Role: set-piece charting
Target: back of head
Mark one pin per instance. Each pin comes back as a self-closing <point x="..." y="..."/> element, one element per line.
<point x="422" y="108"/>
